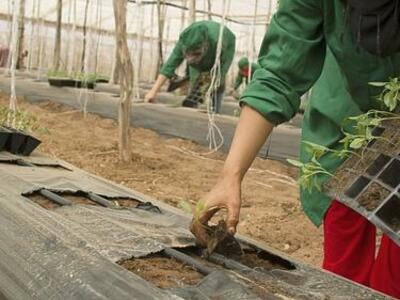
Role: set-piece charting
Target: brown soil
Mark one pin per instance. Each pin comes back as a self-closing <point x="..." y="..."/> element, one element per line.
<point x="43" y="201"/>
<point x="391" y="144"/>
<point x="75" y="199"/>
<point x="173" y="170"/>
<point x="395" y="224"/>
<point x="373" y="196"/>
<point x="252" y="260"/>
<point x="162" y="272"/>
<point x="125" y="202"/>
<point x="340" y="181"/>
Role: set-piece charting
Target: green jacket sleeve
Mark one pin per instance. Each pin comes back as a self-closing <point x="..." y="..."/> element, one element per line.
<point x="227" y="54"/>
<point x="173" y="62"/>
<point x="291" y="60"/>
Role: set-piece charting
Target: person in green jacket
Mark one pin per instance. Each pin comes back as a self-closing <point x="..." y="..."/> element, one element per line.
<point x="244" y="71"/>
<point x="340" y="46"/>
<point x="197" y="45"/>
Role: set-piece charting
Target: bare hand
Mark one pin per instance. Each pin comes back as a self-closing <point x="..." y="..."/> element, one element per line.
<point x="150" y="97"/>
<point x="226" y="194"/>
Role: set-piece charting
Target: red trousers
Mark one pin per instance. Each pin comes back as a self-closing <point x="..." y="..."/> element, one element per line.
<point x="349" y="251"/>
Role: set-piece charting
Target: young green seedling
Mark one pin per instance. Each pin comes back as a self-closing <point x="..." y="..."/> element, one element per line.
<point x="308" y="179"/>
<point x="390" y="96"/>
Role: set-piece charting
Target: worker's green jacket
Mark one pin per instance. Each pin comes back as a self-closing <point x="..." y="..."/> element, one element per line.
<point x="241" y="77"/>
<point x="305" y="38"/>
<point x="227" y="54"/>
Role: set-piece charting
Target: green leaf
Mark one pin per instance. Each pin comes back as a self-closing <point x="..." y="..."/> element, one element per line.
<point x="378" y="84"/>
<point x="357" y="143"/>
<point x="295" y="163"/>
<point x="186" y="206"/>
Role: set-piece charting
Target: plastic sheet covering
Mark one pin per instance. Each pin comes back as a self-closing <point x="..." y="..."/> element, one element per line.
<point x="71" y="252"/>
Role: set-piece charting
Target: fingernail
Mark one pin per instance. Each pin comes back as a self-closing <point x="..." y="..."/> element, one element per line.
<point x="231" y="230"/>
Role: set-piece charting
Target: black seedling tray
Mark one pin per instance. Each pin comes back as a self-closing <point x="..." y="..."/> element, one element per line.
<point x="4" y="136"/>
<point x="370" y="185"/>
<point x="66" y="82"/>
<point x="17" y="142"/>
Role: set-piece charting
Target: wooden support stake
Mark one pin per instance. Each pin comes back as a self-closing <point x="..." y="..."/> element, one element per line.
<point x="126" y="80"/>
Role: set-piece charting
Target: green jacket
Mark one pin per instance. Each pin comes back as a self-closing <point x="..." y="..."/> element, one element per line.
<point x="212" y="34"/>
<point x="241" y="77"/>
<point x="310" y="40"/>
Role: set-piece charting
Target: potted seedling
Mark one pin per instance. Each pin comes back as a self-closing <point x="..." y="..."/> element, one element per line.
<point x="214" y="238"/>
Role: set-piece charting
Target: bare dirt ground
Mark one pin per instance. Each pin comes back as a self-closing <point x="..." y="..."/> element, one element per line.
<point x="172" y="170"/>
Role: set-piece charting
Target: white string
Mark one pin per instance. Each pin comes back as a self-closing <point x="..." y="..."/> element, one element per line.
<point x="14" y="53"/>
<point x="139" y="49"/>
<point x="99" y="35"/>
<point x="253" y="42"/>
<point x="41" y="42"/>
<point x="30" y="53"/>
<point x="215" y="137"/>
<point x="72" y="63"/>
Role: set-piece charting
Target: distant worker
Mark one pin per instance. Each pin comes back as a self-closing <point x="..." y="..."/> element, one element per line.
<point x="197" y="45"/>
<point x="244" y="72"/>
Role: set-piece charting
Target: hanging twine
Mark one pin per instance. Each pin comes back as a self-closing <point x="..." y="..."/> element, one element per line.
<point x="11" y="118"/>
<point x="215" y="137"/>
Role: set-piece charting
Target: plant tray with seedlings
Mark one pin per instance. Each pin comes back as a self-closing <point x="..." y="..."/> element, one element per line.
<point x="371" y="185"/>
<point x="17" y="140"/>
<point x="77" y="80"/>
<point x="369" y="180"/>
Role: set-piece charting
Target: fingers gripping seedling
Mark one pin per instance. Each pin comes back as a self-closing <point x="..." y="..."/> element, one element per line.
<point x="211" y="237"/>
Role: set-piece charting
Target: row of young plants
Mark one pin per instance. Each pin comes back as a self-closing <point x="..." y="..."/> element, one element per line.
<point x="353" y="143"/>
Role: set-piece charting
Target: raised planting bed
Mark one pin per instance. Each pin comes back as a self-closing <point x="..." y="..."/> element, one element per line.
<point x="369" y="182"/>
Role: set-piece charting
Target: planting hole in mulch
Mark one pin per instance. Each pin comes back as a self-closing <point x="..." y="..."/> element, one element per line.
<point x="43" y="201"/>
<point x="78" y="198"/>
<point x="263" y="260"/>
<point x="357" y="187"/>
<point x="378" y="164"/>
<point x="251" y="258"/>
<point x="162" y="271"/>
<point x="390" y="175"/>
<point x="128" y="203"/>
<point x="390" y="213"/>
<point x="373" y="196"/>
